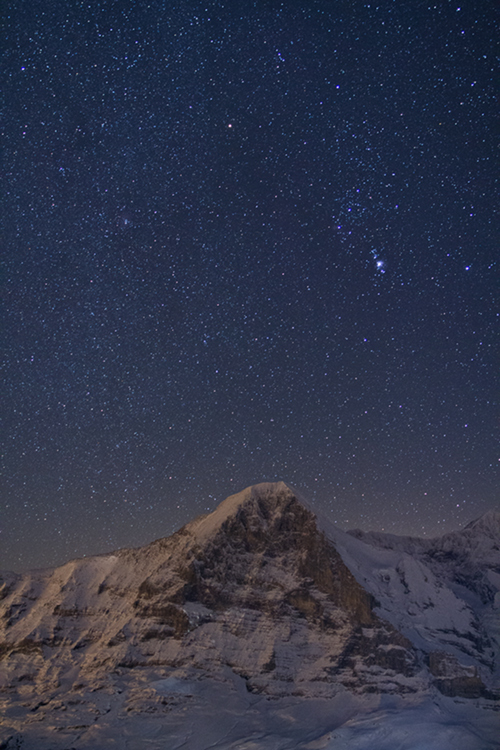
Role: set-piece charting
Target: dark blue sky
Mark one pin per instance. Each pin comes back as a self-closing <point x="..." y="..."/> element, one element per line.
<point x="246" y="244"/>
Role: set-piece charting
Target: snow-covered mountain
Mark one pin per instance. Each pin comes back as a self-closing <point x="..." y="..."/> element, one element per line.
<point x="257" y="626"/>
<point x="441" y="593"/>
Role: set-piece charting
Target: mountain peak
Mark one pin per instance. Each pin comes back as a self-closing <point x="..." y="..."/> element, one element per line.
<point x="270" y="495"/>
<point x="489" y="522"/>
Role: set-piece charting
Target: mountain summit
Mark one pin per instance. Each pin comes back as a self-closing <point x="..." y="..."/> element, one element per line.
<point x="259" y="592"/>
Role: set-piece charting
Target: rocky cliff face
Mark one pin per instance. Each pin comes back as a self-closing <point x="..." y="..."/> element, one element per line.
<point x="259" y="589"/>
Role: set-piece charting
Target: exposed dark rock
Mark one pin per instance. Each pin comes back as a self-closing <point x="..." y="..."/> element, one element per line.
<point x="165" y="613"/>
<point x="381" y="646"/>
<point x="454" y="679"/>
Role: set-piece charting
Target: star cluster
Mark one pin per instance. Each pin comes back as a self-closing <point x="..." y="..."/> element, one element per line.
<point x="245" y="244"/>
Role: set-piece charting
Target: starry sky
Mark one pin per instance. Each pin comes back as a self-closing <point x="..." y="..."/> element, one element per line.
<point x="246" y="242"/>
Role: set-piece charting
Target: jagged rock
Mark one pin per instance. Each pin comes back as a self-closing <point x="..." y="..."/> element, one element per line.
<point x="454" y="679"/>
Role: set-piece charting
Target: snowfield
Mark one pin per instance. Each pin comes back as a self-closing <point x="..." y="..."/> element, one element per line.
<point x="187" y="710"/>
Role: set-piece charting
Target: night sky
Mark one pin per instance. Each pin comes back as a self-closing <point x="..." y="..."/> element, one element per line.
<point x="246" y="242"/>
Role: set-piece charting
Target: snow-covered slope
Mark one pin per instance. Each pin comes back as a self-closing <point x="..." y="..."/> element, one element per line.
<point x="442" y="593"/>
<point x="252" y="613"/>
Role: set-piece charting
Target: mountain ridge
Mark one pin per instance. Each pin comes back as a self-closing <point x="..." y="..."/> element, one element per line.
<point x="491" y="519"/>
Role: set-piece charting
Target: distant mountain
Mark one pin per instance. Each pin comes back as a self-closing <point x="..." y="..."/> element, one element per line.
<point x="442" y="593"/>
<point x="288" y="629"/>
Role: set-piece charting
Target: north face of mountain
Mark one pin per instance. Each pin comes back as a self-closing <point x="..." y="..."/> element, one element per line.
<point x="269" y="541"/>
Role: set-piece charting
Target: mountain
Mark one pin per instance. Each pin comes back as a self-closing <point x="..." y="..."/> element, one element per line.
<point x="260" y="625"/>
<point x="441" y="593"/>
